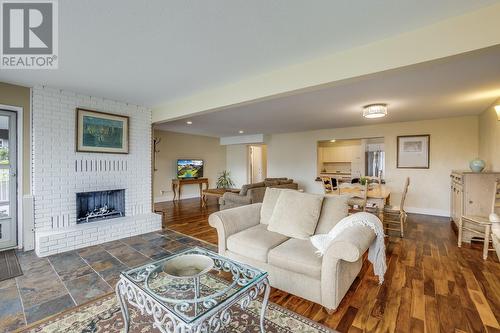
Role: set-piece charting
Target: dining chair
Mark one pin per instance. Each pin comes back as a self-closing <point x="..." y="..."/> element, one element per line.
<point x="358" y="193"/>
<point x="327" y="184"/>
<point x="481" y="225"/>
<point x="395" y="216"/>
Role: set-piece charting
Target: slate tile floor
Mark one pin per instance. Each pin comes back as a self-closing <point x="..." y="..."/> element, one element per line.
<point x="59" y="282"/>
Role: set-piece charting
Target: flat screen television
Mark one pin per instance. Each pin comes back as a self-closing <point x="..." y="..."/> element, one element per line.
<point x="189" y="168"/>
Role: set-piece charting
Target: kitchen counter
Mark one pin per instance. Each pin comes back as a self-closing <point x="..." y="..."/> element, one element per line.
<point x="335" y="173"/>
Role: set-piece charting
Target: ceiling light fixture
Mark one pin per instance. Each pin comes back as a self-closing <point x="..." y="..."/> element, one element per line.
<point x="241" y="131"/>
<point x="497" y="109"/>
<point x="333" y="140"/>
<point x="189" y="122"/>
<point x="375" y="111"/>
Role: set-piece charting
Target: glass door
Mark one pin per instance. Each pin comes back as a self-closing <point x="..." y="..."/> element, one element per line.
<point x="8" y="180"/>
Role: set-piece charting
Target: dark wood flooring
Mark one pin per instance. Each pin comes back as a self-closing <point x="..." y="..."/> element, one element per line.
<point x="431" y="285"/>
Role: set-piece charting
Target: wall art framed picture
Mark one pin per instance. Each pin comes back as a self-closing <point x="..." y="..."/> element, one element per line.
<point x="413" y="151"/>
<point x="100" y="132"/>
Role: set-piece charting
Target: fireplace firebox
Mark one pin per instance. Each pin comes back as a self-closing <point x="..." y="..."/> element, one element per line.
<point x="99" y="205"/>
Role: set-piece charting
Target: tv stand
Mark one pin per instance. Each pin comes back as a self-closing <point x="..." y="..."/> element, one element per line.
<point x="177" y="184"/>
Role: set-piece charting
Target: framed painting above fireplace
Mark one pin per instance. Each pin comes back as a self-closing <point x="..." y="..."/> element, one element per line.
<point x="100" y="132"/>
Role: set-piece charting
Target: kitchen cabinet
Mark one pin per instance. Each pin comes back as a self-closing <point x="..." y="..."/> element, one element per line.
<point x="339" y="153"/>
<point x="471" y="194"/>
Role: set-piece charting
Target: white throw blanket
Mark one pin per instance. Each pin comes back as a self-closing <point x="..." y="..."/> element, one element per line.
<point x="376" y="253"/>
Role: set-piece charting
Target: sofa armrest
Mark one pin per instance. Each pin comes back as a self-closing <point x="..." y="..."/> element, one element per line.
<point x="231" y="221"/>
<point x="235" y="197"/>
<point x="342" y="262"/>
<point x="351" y="244"/>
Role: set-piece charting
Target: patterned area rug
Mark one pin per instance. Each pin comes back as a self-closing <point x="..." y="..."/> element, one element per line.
<point x="104" y="315"/>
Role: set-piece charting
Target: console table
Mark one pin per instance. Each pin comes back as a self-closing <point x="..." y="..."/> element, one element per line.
<point x="178" y="183"/>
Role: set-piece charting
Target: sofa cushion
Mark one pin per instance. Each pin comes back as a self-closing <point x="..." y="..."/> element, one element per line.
<point x="298" y="256"/>
<point x="271" y="182"/>
<point x="334" y="209"/>
<point x="245" y="188"/>
<point x="296" y="214"/>
<point x="255" y="242"/>
<point x="268" y="203"/>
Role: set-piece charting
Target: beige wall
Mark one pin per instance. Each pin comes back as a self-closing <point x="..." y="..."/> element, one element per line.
<point x="175" y="146"/>
<point x="20" y="96"/>
<point x="489" y="138"/>
<point x="237" y="163"/>
<point x="454" y="142"/>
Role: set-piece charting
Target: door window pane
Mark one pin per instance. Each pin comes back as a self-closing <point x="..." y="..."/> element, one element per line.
<point x="4" y="140"/>
<point x="4" y="193"/>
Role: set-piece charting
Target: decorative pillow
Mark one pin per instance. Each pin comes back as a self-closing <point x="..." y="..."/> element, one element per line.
<point x="334" y="209"/>
<point x="268" y="203"/>
<point x="296" y="214"/>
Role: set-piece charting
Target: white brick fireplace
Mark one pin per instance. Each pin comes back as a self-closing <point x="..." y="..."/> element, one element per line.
<point x="59" y="172"/>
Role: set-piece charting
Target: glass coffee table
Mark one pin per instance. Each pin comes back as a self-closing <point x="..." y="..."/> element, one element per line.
<point x="200" y="301"/>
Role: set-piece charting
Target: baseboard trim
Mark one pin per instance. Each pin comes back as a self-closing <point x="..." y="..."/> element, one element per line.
<point x="428" y="211"/>
<point x="171" y="197"/>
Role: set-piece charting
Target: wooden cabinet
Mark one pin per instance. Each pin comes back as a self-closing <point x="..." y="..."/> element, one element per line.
<point x="339" y="153"/>
<point x="471" y="194"/>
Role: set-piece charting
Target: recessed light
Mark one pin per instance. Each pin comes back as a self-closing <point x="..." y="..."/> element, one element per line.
<point x="375" y="111"/>
<point x="189" y="122"/>
<point x="333" y="140"/>
<point x="241" y="132"/>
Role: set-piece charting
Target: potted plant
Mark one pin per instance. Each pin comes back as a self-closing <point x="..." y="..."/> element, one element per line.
<point x="224" y="180"/>
<point x="363" y="181"/>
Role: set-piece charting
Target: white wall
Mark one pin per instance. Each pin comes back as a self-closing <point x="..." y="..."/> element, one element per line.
<point x="237" y="163"/>
<point x="175" y="146"/>
<point x="489" y="138"/>
<point x="454" y="142"/>
<point x="59" y="172"/>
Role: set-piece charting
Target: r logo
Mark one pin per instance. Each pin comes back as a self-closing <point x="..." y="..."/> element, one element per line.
<point x="27" y="27"/>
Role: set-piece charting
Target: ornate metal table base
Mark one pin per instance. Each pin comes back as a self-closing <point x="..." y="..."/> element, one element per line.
<point x="168" y="322"/>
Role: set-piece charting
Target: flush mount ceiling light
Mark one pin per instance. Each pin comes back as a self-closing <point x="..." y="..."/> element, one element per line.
<point x="241" y="131"/>
<point x="189" y="122"/>
<point x="375" y="111"/>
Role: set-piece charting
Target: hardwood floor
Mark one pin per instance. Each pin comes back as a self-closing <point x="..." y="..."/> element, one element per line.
<point x="431" y="285"/>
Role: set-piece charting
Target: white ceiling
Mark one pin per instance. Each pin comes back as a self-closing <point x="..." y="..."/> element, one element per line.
<point x="466" y="84"/>
<point x="151" y="52"/>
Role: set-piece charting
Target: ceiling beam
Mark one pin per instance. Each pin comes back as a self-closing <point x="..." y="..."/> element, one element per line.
<point x="472" y="31"/>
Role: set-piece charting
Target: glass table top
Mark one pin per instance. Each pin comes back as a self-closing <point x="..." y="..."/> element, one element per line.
<point x="192" y="297"/>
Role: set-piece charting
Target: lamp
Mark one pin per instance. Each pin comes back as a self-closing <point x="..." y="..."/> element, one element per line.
<point x="497" y="109"/>
<point x="375" y="110"/>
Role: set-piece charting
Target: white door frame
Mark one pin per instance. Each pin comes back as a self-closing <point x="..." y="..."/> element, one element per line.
<point x="20" y="229"/>
<point x="250" y="162"/>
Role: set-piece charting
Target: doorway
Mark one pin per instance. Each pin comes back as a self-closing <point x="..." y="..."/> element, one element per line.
<point x="257" y="168"/>
<point x="8" y="179"/>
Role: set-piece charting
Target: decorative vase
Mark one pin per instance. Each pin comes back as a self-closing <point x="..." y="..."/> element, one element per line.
<point x="477" y="165"/>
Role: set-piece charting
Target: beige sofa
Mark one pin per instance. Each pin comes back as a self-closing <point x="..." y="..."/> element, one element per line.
<point x="253" y="193"/>
<point x="293" y="264"/>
